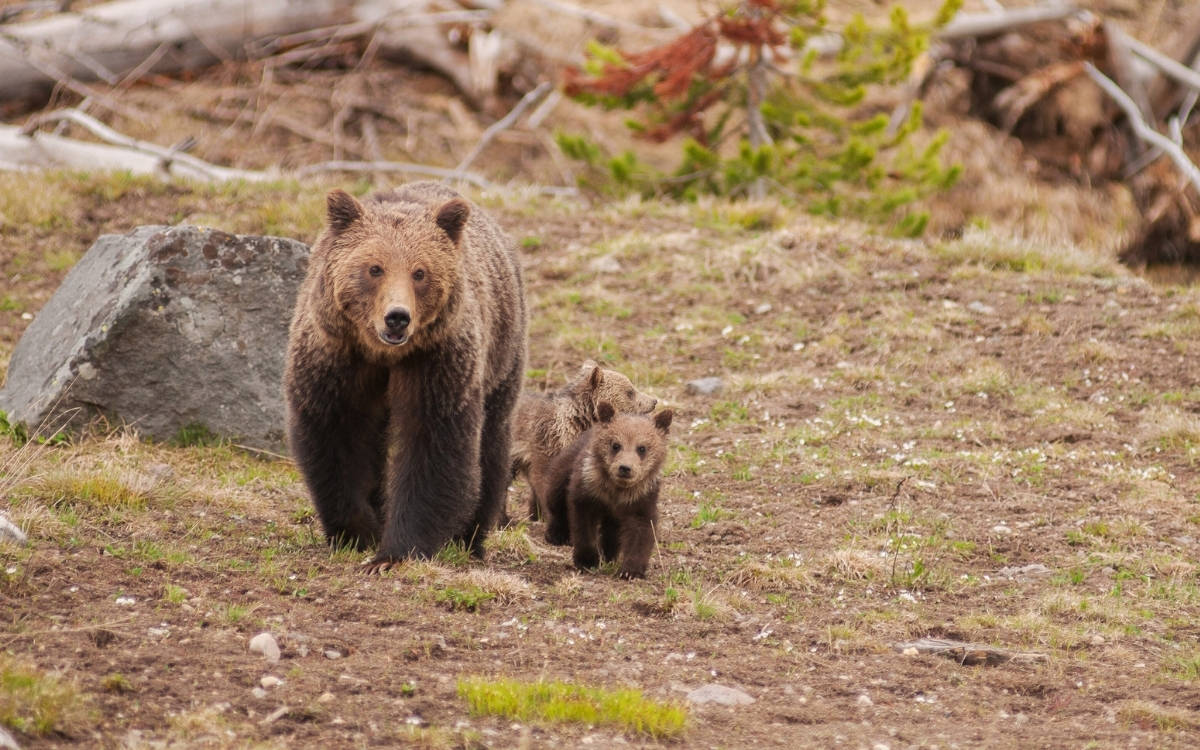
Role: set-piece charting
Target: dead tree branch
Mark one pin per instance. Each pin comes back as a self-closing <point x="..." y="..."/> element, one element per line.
<point x="168" y="160"/>
<point x="1141" y="129"/>
<point x="527" y="101"/>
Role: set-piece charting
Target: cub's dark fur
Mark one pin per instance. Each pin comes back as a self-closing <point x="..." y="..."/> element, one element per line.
<point x="545" y="425"/>
<point x="607" y="484"/>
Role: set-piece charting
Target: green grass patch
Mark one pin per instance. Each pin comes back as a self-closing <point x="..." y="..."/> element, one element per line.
<point x="466" y="599"/>
<point x="36" y="703"/>
<point x="98" y="491"/>
<point x="565" y="702"/>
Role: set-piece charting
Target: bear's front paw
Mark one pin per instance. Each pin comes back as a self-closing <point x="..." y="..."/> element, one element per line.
<point x="379" y="566"/>
<point x="558" y="537"/>
<point x="631" y="573"/>
<point x="585" y="558"/>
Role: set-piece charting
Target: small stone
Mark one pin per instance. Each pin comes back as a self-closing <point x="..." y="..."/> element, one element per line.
<point x="258" y="693"/>
<point x="763" y="309"/>
<point x="720" y="694"/>
<point x="1097" y="640"/>
<point x="265" y="644"/>
<point x="1025" y="572"/>
<point x="864" y="700"/>
<point x="10" y="532"/>
<point x="981" y="308"/>
<point x="326" y="697"/>
<point x="332" y="654"/>
<point x="7" y="741"/>
<point x="126" y="601"/>
<point x="910" y="651"/>
<point x="605" y="264"/>
<point x="705" y="386"/>
<point x="1001" y="529"/>
<point x="269" y="681"/>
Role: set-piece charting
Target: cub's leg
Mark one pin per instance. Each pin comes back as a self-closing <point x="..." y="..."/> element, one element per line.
<point x="637" y="544"/>
<point x="585" y="527"/>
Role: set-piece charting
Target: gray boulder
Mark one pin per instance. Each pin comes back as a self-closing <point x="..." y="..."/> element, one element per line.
<point x="162" y="328"/>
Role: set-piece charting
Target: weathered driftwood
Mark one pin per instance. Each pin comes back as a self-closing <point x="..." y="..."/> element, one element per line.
<point x="968" y="654"/>
<point x="21" y="151"/>
<point x="106" y="42"/>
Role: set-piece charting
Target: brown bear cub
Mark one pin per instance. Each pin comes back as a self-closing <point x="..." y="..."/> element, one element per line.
<point x="606" y="483"/>
<point x="546" y="424"/>
<point x="405" y="360"/>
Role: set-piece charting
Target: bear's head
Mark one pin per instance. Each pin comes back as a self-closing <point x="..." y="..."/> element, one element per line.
<point x="393" y="267"/>
<point x="595" y="384"/>
<point x="628" y="449"/>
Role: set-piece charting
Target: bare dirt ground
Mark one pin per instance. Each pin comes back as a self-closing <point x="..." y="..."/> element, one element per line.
<point x="904" y="427"/>
<point x="971" y="437"/>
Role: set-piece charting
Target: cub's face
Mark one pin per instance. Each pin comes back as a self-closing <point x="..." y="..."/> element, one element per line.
<point x="393" y="269"/>
<point x="614" y="388"/>
<point x="630" y="448"/>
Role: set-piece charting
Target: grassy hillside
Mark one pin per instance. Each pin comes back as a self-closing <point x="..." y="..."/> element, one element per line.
<point x="980" y="439"/>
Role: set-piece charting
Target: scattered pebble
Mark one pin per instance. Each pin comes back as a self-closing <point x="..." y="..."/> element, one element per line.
<point x="864" y="700"/>
<point x="258" y="693"/>
<point x="269" y="681"/>
<point x="326" y="697"/>
<point x="705" y="386"/>
<point x="332" y="654"/>
<point x="910" y="651"/>
<point x="1097" y="640"/>
<point x="763" y="309"/>
<point x="10" y="532"/>
<point x="981" y="308"/>
<point x="265" y="644"/>
<point x="275" y="715"/>
<point x="1024" y="572"/>
<point x="126" y="601"/>
<point x="605" y="264"/>
<point x="7" y="741"/>
<point x="721" y="694"/>
<point x="1001" y="529"/>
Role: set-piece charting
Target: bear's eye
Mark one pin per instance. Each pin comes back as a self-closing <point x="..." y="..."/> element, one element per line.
<point x="616" y="447"/>
<point x="641" y="449"/>
<point x="375" y="271"/>
<point x="418" y="274"/>
<point x="629" y="394"/>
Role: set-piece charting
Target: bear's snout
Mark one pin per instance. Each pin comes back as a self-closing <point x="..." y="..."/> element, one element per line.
<point x="624" y="471"/>
<point x="396" y="323"/>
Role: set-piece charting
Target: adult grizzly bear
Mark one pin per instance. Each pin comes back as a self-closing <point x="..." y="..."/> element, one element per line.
<point x="405" y="360"/>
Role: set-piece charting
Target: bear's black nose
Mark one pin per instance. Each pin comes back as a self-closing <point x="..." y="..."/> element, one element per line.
<point x="624" y="472"/>
<point x="397" y="319"/>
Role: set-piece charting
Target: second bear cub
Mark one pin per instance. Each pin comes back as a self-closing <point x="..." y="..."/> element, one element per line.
<point x="608" y="482"/>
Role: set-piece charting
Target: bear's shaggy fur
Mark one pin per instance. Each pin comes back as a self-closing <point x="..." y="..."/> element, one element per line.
<point x="606" y="484"/>
<point x="405" y="360"/>
<point x="546" y="424"/>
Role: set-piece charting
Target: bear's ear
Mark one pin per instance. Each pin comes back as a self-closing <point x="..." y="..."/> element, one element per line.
<point x="605" y="412"/>
<point x="452" y="217"/>
<point x="595" y="378"/>
<point x="343" y="210"/>
<point x="662" y="420"/>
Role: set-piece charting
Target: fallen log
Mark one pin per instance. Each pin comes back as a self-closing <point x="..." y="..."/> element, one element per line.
<point x="968" y="654"/>
<point x="106" y="42"/>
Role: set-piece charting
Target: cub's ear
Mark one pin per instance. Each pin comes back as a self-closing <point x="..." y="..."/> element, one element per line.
<point x="605" y="412"/>
<point x="662" y="420"/>
<point x="342" y="210"/>
<point x="452" y="217"/>
<point x="595" y="378"/>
